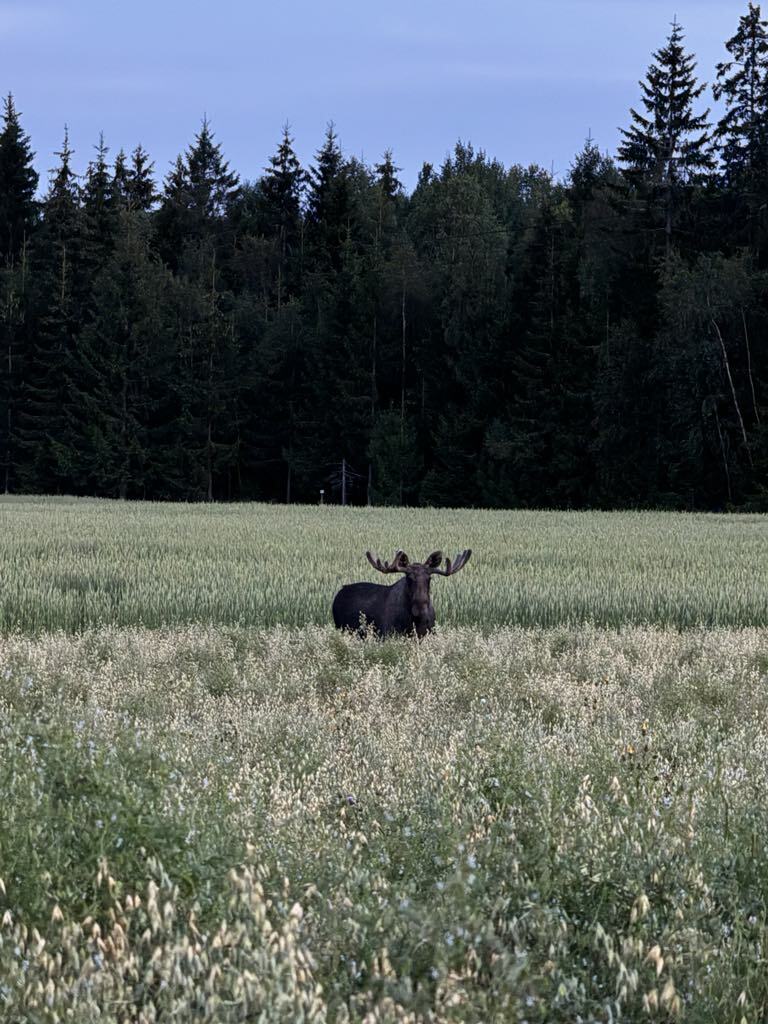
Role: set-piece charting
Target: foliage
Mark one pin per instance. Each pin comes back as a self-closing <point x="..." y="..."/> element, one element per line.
<point x="526" y="332"/>
<point x="214" y="824"/>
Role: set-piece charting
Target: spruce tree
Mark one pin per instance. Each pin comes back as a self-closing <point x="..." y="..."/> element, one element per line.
<point x="212" y="184"/>
<point x="50" y="459"/>
<point x="666" y="150"/>
<point x="742" y="82"/>
<point x="200" y="191"/>
<point x="389" y="207"/>
<point x="133" y="185"/>
<point x="171" y="220"/>
<point x="100" y="204"/>
<point x="140" y="184"/>
<point x="120" y="180"/>
<point x="390" y="202"/>
<point x="207" y="384"/>
<point x="282" y="188"/>
<point x="18" y="181"/>
<point x="121" y="372"/>
<point x="328" y="203"/>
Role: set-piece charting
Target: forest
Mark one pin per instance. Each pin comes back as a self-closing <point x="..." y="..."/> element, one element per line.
<point x="495" y="337"/>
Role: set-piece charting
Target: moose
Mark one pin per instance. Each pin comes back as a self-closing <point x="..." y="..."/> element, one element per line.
<point x="405" y="607"/>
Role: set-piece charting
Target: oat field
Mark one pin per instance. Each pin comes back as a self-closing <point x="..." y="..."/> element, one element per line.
<point x="70" y="564"/>
<point x="216" y="808"/>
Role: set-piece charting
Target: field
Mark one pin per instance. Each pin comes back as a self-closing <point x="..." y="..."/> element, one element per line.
<point x="71" y="564"/>
<point x="216" y="808"/>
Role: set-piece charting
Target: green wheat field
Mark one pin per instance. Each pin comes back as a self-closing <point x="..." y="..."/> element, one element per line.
<point x="217" y="808"/>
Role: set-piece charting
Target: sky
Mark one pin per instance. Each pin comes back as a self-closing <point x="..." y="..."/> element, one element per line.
<point x="524" y="80"/>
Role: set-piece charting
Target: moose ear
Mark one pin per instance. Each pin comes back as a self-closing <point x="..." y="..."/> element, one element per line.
<point x="401" y="560"/>
<point x="434" y="560"/>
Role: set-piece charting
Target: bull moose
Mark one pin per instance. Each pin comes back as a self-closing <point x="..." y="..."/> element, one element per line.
<point x="405" y="607"/>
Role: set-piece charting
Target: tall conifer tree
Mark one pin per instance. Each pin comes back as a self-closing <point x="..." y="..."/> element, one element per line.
<point x="122" y="371"/>
<point x="668" y="147"/>
<point x="49" y="457"/>
<point x="100" y="204"/>
<point x="18" y="181"/>
<point x="199" y="192"/>
<point x="282" y="188"/>
<point x="328" y="203"/>
<point x="140" y="184"/>
<point x="742" y="82"/>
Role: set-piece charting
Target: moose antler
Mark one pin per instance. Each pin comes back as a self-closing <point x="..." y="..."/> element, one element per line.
<point x="452" y="567"/>
<point x="398" y="563"/>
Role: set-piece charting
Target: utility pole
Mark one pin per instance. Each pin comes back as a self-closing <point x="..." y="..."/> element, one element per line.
<point x="343" y="481"/>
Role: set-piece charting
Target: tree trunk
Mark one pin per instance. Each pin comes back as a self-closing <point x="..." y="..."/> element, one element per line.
<point x="402" y="397"/>
<point x="725" y="456"/>
<point x="733" y="389"/>
<point x="373" y="369"/>
<point x="209" y="462"/>
<point x="749" y="368"/>
<point x="402" y="367"/>
<point x="123" y="486"/>
<point x="209" y="437"/>
<point x="10" y="421"/>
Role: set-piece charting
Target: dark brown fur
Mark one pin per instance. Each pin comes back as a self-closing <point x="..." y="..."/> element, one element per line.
<point x="405" y="607"/>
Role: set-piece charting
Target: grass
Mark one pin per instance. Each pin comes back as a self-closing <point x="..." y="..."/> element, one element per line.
<point x="69" y="564"/>
<point x="241" y="814"/>
<point x="227" y="824"/>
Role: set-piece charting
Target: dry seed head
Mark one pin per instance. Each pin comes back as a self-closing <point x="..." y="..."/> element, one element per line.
<point x="651" y="1001"/>
<point x="668" y="993"/>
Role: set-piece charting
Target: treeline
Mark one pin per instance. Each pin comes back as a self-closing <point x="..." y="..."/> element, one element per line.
<point x="494" y="338"/>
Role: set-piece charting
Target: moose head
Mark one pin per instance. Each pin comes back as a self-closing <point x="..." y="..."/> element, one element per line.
<point x="405" y="607"/>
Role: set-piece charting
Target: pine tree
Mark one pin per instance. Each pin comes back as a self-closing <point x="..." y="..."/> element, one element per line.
<point x="666" y="150"/>
<point x="742" y="81"/>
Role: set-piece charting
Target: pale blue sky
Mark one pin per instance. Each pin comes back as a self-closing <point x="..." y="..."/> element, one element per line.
<point x="525" y="81"/>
